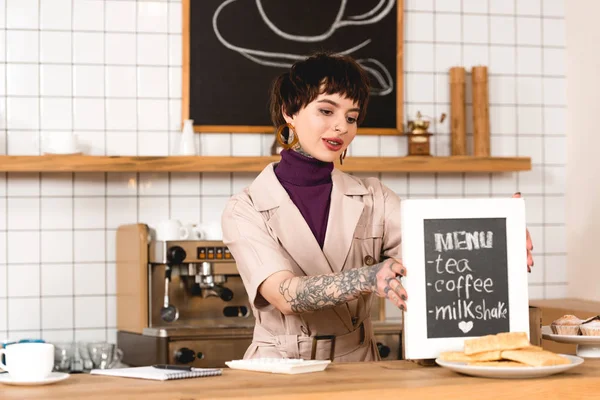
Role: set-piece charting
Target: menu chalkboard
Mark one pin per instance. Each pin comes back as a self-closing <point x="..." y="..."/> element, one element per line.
<point x="467" y="272"/>
<point x="234" y="49"/>
<point x="466" y="277"/>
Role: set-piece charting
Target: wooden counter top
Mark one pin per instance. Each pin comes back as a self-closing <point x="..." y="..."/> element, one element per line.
<point x="374" y="380"/>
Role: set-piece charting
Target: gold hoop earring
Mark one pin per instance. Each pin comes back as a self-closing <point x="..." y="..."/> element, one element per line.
<point x="343" y="156"/>
<point x="286" y="144"/>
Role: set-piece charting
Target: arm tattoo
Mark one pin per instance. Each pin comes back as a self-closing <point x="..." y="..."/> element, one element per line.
<point x="312" y="293"/>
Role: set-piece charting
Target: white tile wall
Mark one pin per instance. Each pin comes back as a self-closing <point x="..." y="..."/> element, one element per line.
<point x="110" y="70"/>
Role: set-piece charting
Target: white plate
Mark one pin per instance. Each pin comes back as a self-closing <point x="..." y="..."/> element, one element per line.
<point x="509" y="372"/>
<point x="587" y="346"/>
<point x="52" y="378"/>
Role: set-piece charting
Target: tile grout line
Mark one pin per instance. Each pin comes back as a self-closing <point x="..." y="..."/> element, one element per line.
<point x="6" y="177"/>
<point x="544" y="170"/>
<point x="105" y="174"/>
<point x="39" y="174"/>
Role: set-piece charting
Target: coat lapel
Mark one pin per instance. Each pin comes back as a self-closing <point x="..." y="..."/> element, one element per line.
<point x="344" y="215"/>
<point x="288" y="224"/>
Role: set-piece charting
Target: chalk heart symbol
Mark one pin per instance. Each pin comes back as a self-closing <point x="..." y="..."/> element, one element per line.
<point x="465" y="326"/>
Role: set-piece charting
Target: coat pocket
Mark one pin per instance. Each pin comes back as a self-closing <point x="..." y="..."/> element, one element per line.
<point x="368" y="232"/>
<point x="367" y="244"/>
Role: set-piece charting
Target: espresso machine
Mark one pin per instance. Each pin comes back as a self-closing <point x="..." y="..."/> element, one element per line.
<point x="184" y="302"/>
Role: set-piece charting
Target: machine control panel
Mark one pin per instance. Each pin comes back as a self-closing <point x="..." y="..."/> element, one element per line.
<point x="213" y="253"/>
<point x="188" y="251"/>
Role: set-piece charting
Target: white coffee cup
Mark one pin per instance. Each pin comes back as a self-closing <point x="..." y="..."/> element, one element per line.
<point x="28" y="361"/>
<point x="211" y="231"/>
<point x="193" y="232"/>
<point x="61" y="143"/>
<point x="170" y="229"/>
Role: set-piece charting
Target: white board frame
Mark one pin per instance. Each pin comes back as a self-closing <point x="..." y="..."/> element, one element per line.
<point x="413" y="213"/>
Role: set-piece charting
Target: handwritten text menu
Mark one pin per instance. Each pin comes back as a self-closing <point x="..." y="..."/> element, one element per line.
<point x="466" y="277"/>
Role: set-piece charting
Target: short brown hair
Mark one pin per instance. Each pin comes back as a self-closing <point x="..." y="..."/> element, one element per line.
<point x="319" y="73"/>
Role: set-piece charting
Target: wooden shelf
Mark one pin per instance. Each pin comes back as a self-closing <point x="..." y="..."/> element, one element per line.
<point x="83" y="163"/>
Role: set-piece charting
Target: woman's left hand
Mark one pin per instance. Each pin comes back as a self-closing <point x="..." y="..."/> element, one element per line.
<point x="529" y="244"/>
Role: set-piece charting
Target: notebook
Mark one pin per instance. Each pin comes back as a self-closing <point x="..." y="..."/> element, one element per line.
<point x="156" y="373"/>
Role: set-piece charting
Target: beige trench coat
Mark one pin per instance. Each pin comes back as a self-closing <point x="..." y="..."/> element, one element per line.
<point x="266" y="233"/>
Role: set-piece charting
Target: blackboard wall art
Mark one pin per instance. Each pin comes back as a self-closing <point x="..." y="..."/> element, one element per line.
<point x="233" y="49"/>
<point x="467" y="272"/>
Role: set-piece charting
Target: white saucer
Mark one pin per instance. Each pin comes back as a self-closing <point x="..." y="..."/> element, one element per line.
<point x="587" y="346"/>
<point x="509" y="372"/>
<point x="52" y="378"/>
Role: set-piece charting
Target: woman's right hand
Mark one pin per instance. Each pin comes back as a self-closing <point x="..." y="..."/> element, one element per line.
<point x="388" y="282"/>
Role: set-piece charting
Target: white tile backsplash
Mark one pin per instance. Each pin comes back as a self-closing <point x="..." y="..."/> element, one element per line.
<point x="23" y="247"/>
<point x="152" y="49"/>
<point x="88" y="113"/>
<point x="553" y="8"/>
<point x="89" y="246"/>
<point x="90" y="279"/>
<point x="55" y="14"/>
<point x="121" y="211"/>
<point x="529" y="90"/>
<point x="22" y="14"/>
<point x="3" y="282"/>
<point x="502" y="30"/>
<point x="529" y="31"/>
<point x="57" y="246"/>
<point x="110" y="71"/>
<point x="22" y="80"/>
<point x="57" y="279"/>
<point x="529" y="61"/>
<point x="420" y="26"/>
<point x="529" y="7"/>
<point x="88" y="15"/>
<point x="448" y="5"/>
<point x="186" y="209"/>
<point x="89" y="212"/>
<point x="475" y="29"/>
<point x="447" y="28"/>
<point x="153" y="82"/>
<point x="56" y="80"/>
<point x="502" y="59"/>
<point x="120" y="16"/>
<point x="23" y="184"/>
<point x="23" y="113"/>
<point x="554" y="32"/>
<point x="474" y="6"/>
<point x="24" y="314"/>
<point x="88" y="81"/>
<point x="22" y="46"/>
<point x="120" y="48"/>
<point x="55" y="47"/>
<point x="90" y="312"/>
<point x="23" y="213"/>
<point x="57" y="313"/>
<point x="88" y="47"/>
<point x="121" y="114"/>
<point x="152" y="210"/>
<point x="23" y="280"/>
<point x="152" y="17"/>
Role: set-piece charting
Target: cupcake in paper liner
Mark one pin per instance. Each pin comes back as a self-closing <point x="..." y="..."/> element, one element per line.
<point x="591" y="326"/>
<point x="566" y="325"/>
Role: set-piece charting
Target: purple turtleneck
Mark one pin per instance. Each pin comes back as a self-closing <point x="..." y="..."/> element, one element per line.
<point x="308" y="183"/>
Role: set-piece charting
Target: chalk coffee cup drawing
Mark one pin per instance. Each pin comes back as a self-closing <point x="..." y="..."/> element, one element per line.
<point x="28" y="361"/>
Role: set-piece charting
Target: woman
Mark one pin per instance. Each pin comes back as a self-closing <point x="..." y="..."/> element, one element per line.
<point x="313" y="244"/>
